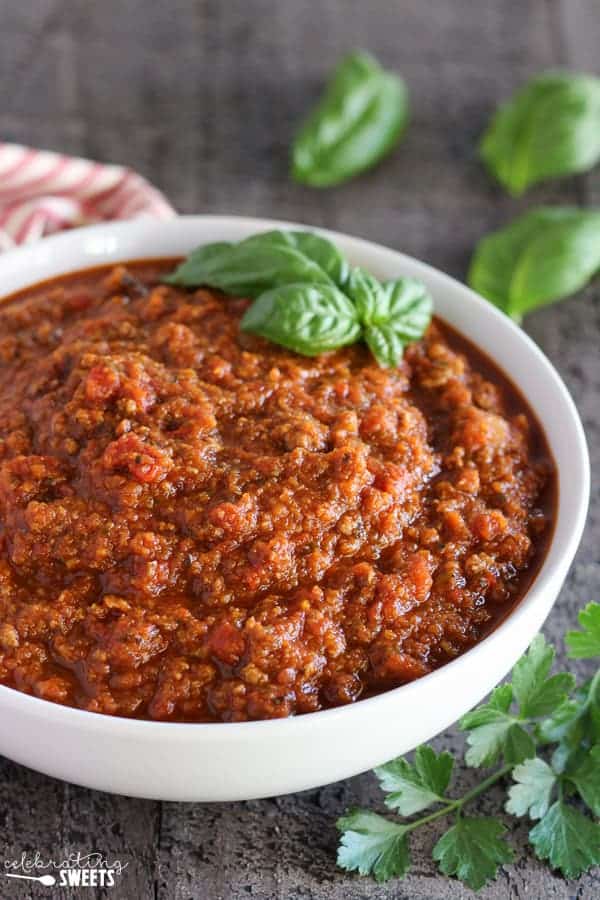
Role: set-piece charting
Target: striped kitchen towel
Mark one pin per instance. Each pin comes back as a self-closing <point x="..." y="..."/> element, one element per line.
<point x="43" y="192"/>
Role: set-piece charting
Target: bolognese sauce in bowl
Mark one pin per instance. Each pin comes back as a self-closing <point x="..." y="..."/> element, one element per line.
<point x="206" y="537"/>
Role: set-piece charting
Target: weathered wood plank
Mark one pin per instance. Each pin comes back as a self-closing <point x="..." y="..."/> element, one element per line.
<point x="56" y="819"/>
<point x="580" y="26"/>
<point x="569" y="332"/>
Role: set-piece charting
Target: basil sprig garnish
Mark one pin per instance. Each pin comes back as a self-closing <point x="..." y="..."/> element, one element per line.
<point x="547" y="254"/>
<point x="306" y="296"/>
<point x="359" y="120"/>
<point x="548" y="129"/>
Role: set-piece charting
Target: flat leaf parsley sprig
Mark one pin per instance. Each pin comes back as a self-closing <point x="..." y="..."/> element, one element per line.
<point x="541" y="730"/>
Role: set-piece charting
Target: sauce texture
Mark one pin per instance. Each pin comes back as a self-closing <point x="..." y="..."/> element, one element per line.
<point x="197" y="525"/>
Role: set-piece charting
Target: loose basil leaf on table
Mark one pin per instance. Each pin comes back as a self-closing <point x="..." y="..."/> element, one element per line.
<point x="360" y="118"/>
<point x="393" y="314"/>
<point x="545" y="255"/>
<point x="548" y="129"/>
<point x="322" y="251"/>
<point x="307" y="318"/>
<point x="261" y="262"/>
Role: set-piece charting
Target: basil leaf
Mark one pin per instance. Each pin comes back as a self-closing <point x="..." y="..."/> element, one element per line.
<point x="250" y="267"/>
<point x="407" y="304"/>
<point x="364" y="291"/>
<point x="545" y="255"/>
<point x="550" y="128"/>
<point x="358" y="121"/>
<point x="314" y="246"/>
<point x="307" y="318"/>
<point x="393" y="314"/>
<point x="199" y="262"/>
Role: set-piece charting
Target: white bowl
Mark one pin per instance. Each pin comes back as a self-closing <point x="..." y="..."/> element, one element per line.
<point x="173" y="761"/>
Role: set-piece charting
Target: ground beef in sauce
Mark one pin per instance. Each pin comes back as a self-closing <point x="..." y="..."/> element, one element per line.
<point x="198" y="525"/>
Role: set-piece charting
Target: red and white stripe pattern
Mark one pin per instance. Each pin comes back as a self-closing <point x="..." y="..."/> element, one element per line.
<point x="43" y="192"/>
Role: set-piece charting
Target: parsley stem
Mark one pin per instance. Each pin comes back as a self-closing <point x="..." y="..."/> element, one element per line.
<point x="485" y="784"/>
<point x="457" y="805"/>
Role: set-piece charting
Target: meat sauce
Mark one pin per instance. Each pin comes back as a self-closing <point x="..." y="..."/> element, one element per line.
<point x="197" y="525"/>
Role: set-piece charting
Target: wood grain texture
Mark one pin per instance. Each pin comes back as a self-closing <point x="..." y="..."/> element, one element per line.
<point x="203" y="98"/>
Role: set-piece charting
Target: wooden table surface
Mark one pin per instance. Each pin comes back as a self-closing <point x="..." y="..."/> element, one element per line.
<point x="202" y="97"/>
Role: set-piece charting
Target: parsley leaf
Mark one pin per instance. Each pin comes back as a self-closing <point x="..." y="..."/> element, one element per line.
<point x="536" y="693"/>
<point x="569" y="840"/>
<point x="532" y="668"/>
<point x="488" y="729"/>
<point x="501" y="697"/>
<point x="472" y="850"/>
<point x="531" y="793"/>
<point x="371" y="845"/>
<point x="585" y="644"/>
<point x="412" y="788"/>
<point x="518" y="745"/>
<point x="498" y="737"/>
<point x="493" y="732"/>
<point x="574" y="726"/>
<point x="586" y="779"/>
<point x="564" y="722"/>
